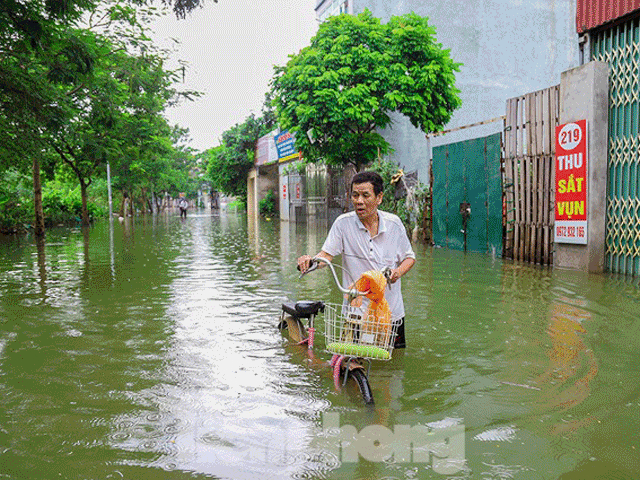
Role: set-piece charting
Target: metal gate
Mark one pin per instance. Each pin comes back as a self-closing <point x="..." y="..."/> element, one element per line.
<point x="528" y="175"/>
<point x="297" y="198"/>
<point x="317" y="178"/>
<point x="466" y="195"/>
<point x="619" y="46"/>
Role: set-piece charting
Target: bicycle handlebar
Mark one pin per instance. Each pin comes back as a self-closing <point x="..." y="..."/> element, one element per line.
<point x="314" y="264"/>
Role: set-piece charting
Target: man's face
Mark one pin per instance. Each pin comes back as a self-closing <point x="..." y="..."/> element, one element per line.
<point x="365" y="201"/>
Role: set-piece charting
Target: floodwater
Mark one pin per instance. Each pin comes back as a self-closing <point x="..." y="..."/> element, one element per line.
<point x="151" y="351"/>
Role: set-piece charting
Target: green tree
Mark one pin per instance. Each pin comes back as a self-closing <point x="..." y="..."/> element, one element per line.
<point x="151" y="160"/>
<point x="33" y="39"/>
<point x="115" y="110"/>
<point x="228" y="165"/>
<point x="182" y="7"/>
<point x="45" y="60"/>
<point x="341" y="89"/>
<point x="114" y="113"/>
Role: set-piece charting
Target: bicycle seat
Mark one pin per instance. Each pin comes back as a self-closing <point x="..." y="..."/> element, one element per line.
<point x="310" y="308"/>
<point x="303" y="309"/>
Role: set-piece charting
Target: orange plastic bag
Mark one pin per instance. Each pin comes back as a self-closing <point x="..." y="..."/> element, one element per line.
<point x="378" y="317"/>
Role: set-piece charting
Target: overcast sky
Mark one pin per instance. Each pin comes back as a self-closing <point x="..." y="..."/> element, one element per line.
<point x="231" y="47"/>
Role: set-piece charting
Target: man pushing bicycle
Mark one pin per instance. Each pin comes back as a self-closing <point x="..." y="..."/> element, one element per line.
<point x="370" y="239"/>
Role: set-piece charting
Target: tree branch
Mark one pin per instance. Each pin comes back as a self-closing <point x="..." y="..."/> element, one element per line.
<point x="65" y="159"/>
<point x="76" y="89"/>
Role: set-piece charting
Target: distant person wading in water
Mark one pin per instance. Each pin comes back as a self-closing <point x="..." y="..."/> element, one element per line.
<point x="183" y="205"/>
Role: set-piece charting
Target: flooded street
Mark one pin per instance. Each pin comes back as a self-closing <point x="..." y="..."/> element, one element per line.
<point x="151" y="351"/>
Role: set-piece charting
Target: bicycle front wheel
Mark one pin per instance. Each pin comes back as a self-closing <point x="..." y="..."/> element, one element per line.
<point x="362" y="381"/>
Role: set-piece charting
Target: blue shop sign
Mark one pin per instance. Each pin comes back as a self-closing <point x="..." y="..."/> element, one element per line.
<point x="285" y="144"/>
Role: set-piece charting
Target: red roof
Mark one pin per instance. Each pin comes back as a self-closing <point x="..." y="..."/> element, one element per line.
<point x="593" y="13"/>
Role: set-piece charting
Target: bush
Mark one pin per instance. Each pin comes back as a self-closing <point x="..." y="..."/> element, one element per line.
<point x="236" y="204"/>
<point x="267" y="206"/>
<point x="16" y="202"/>
<point x="99" y="198"/>
<point x="62" y="203"/>
<point x="410" y="214"/>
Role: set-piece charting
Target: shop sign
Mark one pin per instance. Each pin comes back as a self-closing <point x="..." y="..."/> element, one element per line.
<point x="571" y="183"/>
<point x="285" y="145"/>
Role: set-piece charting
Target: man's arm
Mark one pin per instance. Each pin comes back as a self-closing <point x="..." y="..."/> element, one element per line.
<point x="403" y="268"/>
<point x="305" y="260"/>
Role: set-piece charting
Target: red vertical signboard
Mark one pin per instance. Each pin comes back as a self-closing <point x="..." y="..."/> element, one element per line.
<point x="571" y="183"/>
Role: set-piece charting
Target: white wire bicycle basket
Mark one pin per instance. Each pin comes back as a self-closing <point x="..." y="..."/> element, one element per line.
<point x="351" y="333"/>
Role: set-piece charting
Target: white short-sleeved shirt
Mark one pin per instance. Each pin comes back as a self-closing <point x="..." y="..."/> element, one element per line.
<point x="362" y="252"/>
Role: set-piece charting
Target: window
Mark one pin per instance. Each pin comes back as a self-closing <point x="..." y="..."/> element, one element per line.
<point x="334" y="7"/>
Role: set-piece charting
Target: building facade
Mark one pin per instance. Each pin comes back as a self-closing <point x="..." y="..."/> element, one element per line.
<point x="328" y="8"/>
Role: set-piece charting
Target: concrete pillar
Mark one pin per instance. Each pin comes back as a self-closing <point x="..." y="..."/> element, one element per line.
<point x="584" y="94"/>
<point x="252" y="195"/>
<point x="283" y="195"/>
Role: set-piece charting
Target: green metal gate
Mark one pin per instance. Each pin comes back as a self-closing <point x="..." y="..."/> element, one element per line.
<point x="468" y="173"/>
<point x="619" y="46"/>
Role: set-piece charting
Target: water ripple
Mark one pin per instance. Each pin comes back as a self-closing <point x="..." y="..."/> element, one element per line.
<point x="157" y="344"/>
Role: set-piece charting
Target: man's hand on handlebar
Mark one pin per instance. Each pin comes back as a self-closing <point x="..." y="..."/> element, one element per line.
<point x="307" y="263"/>
<point x="393" y="275"/>
<point x="304" y="262"/>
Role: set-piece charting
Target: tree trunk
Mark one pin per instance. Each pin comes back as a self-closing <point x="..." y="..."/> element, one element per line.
<point x="85" y="210"/>
<point x="144" y="201"/>
<point x="121" y="210"/>
<point x="152" y="202"/>
<point x="37" y="199"/>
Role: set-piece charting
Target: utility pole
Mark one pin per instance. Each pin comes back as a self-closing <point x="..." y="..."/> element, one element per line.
<point x="109" y="192"/>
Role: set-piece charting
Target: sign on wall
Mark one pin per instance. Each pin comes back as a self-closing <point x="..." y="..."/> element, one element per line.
<point x="266" y="152"/>
<point x="571" y="183"/>
<point x="285" y="144"/>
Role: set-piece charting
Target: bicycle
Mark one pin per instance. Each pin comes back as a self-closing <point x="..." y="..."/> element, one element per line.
<point x="351" y="337"/>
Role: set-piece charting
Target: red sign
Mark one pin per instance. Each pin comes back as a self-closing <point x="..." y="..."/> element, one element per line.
<point x="284" y="191"/>
<point x="571" y="183"/>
